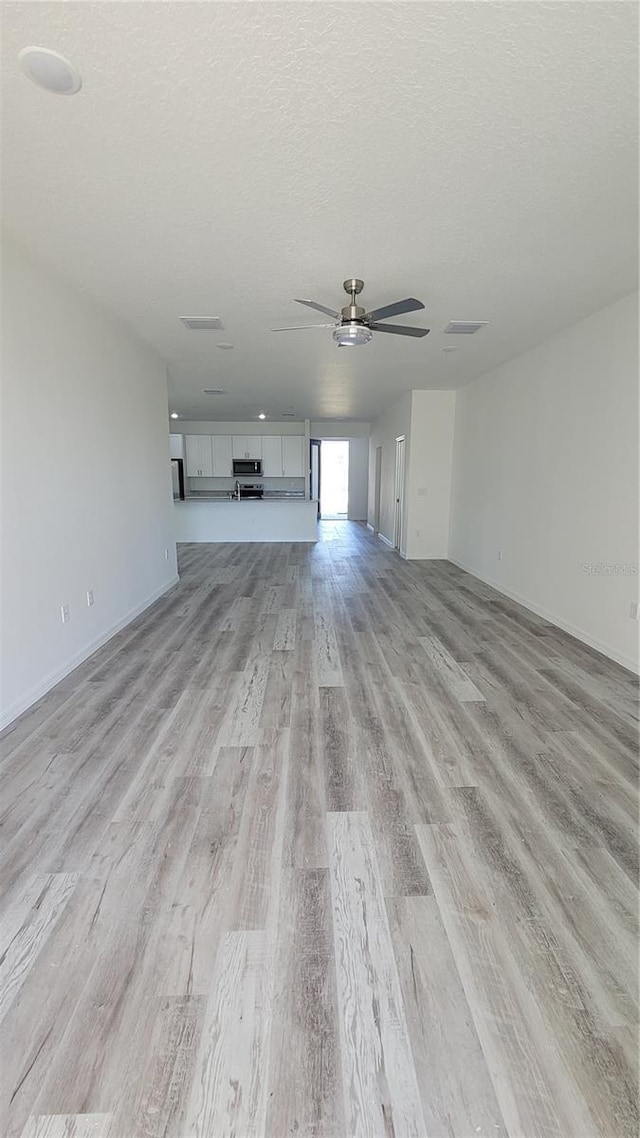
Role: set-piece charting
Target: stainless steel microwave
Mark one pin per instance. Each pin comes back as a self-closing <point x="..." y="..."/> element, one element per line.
<point x="247" y="466"/>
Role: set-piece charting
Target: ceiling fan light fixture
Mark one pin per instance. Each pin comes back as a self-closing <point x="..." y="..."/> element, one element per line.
<point x="352" y="335"/>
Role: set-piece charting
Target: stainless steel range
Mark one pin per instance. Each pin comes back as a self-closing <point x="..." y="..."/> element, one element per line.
<point x="249" y="490"/>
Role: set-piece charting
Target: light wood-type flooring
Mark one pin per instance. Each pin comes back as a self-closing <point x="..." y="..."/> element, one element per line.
<point x="324" y="844"/>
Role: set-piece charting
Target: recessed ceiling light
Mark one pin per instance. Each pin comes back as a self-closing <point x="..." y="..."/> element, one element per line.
<point x="50" y="70"/>
<point x="225" y="347"/>
<point x="175" y="415"/>
<point x="451" y="348"/>
<point x="214" y="391"/>
<point x="262" y="415"/>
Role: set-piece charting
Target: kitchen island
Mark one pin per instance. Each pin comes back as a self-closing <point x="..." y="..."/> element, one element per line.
<point x="266" y="519"/>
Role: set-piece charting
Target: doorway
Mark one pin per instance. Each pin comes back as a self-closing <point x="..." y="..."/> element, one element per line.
<point x="334" y="483"/>
<point x="399" y="495"/>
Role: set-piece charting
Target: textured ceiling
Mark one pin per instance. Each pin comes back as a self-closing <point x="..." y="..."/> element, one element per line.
<point x="223" y="158"/>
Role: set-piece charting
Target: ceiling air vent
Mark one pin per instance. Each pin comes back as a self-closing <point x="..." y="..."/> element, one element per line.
<point x="214" y="391"/>
<point x="465" y="327"/>
<point x="202" y="323"/>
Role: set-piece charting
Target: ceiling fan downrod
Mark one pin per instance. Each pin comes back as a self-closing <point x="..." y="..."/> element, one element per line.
<point x="352" y="311"/>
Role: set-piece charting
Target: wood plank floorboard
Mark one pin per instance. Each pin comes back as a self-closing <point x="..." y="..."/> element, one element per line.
<point x="325" y="844"/>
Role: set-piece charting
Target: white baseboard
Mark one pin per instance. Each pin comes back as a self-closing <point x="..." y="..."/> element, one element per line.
<point x="386" y="540"/>
<point x="369" y="526"/>
<point x="25" y="702"/>
<point x="553" y="618"/>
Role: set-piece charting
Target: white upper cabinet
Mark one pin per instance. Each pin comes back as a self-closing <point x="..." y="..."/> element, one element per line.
<point x="175" y="446"/>
<point x="272" y="456"/>
<point x="293" y="456"/>
<point x="211" y="456"/>
<point x="199" y="456"/>
<point x="222" y="455"/>
<point x="247" y="446"/>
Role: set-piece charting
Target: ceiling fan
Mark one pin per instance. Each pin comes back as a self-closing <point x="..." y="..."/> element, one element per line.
<point x="353" y="325"/>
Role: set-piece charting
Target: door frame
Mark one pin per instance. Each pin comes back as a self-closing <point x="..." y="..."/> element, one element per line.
<point x="377" y="487"/>
<point x="318" y="444"/>
<point x="336" y="439"/>
<point x="398" y="517"/>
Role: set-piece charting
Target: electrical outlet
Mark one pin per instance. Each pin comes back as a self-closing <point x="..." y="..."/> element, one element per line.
<point x="90" y="598"/>
<point x="64" y="613"/>
<point x="634" y="611"/>
<point x="166" y="554"/>
<point x="499" y="555"/>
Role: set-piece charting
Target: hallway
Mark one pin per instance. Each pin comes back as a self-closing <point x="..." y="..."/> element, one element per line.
<point x="326" y="843"/>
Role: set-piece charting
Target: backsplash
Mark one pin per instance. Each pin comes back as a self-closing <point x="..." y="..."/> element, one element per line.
<point x="230" y="483"/>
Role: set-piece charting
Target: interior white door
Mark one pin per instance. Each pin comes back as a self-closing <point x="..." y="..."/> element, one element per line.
<point x="398" y="535"/>
<point x="293" y="456"/>
<point x="272" y="456"/>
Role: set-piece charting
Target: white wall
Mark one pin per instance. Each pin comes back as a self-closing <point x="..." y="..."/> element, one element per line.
<point x="340" y="429"/>
<point x="357" y="435"/>
<point x="429" y="481"/>
<point x="546" y="470"/>
<point x="426" y="420"/>
<point x="86" y="489"/>
<point x="358" y="479"/>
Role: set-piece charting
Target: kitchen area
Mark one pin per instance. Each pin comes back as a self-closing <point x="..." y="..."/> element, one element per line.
<point x="236" y="482"/>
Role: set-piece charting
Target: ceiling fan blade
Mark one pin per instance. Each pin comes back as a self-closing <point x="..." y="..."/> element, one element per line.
<point x="397" y="309"/>
<point x="319" y="308"/>
<point x="298" y="327"/>
<point x="399" y="329"/>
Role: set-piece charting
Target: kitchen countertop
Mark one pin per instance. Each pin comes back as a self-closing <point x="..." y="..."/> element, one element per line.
<point x="240" y="501"/>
